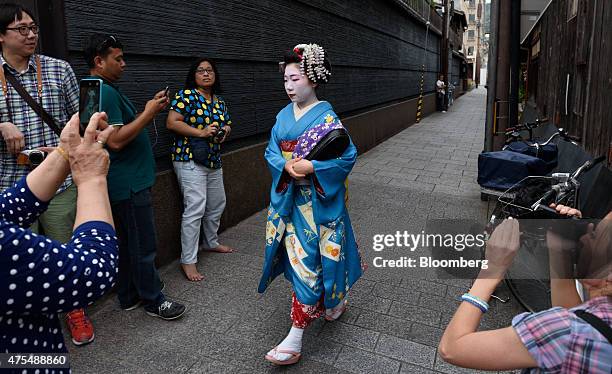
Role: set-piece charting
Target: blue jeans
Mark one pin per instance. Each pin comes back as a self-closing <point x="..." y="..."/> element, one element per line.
<point x="138" y="276"/>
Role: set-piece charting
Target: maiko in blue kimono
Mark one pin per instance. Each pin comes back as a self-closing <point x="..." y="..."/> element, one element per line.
<point x="309" y="236"/>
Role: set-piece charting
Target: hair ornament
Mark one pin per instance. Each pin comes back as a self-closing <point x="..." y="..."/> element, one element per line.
<point x="312" y="62"/>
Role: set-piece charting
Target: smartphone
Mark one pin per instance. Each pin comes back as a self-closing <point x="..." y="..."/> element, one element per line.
<point x="167" y="91"/>
<point x="90" y="100"/>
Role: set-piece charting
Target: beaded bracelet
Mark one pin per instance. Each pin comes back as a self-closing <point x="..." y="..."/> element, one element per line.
<point x="63" y="153"/>
<point x="476" y="301"/>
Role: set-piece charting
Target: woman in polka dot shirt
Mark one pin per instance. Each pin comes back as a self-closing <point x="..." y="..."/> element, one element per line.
<point x="41" y="277"/>
<point x="200" y="121"/>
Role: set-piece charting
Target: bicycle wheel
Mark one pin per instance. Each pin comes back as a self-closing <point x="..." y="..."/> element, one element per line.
<point x="528" y="277"/>
<point x="532" y="294"/>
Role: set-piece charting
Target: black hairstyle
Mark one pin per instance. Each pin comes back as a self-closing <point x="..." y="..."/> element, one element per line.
<point x="99" y="45"/>
<point x="292" y="56"/>
<point x="190" y="81"/>
<point x="9" y="12"/>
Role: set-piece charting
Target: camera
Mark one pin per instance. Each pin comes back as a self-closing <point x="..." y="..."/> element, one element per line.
<point x="219" y="135"/>
<point x="31" y="157"/>
<point x="570" y="229"/>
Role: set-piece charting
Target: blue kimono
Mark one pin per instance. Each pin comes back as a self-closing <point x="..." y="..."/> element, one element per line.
<point x="309" y="236"/>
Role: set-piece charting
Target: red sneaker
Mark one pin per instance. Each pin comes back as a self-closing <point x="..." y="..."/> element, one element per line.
<point x="80" y="327"/>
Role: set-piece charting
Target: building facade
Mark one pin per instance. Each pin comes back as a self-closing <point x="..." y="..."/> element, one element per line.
<point x="474" y="39"/>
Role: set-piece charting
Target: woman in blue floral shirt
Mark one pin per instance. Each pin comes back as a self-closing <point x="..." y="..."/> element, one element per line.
<point x="200" y="122"/>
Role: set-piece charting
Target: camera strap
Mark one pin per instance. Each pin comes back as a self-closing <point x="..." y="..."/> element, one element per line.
<point x="6" y="75"/>
<point x="597" y="323"/>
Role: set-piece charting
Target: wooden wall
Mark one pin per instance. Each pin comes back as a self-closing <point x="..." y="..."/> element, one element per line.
<point x="580" y="47"/>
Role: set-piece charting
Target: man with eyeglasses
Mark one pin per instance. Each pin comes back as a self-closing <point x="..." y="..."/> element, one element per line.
<point x="130" y="178"/>
<point x="56" y="89"/>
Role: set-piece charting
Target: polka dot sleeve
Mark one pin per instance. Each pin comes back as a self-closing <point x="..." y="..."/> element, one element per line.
<point x="46" y="276"/>
<point x="181" y="104"/>
<point x="226" y="114"/>
<point x="19" y="206"/>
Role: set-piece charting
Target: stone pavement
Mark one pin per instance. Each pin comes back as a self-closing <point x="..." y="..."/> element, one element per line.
<point x="395" y="318"/>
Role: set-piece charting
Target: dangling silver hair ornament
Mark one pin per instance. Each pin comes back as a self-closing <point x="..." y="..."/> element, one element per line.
<point x="312" y="62"/>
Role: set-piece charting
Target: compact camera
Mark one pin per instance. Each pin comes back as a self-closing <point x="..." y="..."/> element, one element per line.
<point x="31" y="157"/>
<point x="219" y="136"/>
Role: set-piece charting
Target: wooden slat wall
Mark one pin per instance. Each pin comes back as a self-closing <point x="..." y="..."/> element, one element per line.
<point x="598" y="122"/>
<point x="566" y="49"/>
<point x="376" y="49"/>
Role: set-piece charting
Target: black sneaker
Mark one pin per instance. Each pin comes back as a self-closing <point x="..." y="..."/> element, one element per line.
<point x="139" y="302"/>
<point x="131" y="306"/>
<point x="167" y="310"/>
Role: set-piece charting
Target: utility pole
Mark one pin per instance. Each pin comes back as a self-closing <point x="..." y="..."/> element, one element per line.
<point x="503" y="74"/>
<point x="515" y="62"/>
<point x="492" y="76"/>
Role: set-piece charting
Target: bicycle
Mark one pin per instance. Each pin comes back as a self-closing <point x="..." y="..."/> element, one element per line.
<point x="528" y="278"/>
<point x="513" y="134"/>
<point x="494" y="178"/>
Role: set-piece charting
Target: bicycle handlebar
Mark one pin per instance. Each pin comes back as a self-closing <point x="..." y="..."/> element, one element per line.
<point x="571" y="184"/>
<point x="587" y="166"/>
<point x="526" y="126"/>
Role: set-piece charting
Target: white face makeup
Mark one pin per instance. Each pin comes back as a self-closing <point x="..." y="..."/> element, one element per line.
<point x="298" y="87"/>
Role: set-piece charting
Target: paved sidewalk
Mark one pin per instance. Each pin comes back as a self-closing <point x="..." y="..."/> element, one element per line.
<point x="395" y="318"/>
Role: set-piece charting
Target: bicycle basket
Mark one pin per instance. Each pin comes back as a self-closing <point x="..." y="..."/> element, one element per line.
<point x="518" y="199"/>
<point x="503" y="169"/>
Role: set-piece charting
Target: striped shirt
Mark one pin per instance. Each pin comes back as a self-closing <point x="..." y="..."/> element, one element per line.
<point x="60" y="98"/>
<point x="561" y="342"/>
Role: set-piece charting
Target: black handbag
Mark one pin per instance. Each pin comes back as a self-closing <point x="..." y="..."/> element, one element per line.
<point x="331" y="146"/>
<point x="200" y="149"/>
<point x="322" y="142"/>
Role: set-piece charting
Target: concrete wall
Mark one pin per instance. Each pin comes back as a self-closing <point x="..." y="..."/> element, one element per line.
<point x="247" y="179"/>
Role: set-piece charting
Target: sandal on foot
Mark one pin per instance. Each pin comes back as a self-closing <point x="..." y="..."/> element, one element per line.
<point x="329" y="318"/>
<point x="295" y="357"/>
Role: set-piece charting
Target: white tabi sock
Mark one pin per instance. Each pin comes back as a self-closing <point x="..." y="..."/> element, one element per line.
<point x="293" y="343"/>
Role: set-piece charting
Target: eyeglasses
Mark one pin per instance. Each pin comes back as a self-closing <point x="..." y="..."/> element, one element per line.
<point x="208" y="71"/>
<point x="25" y="30"/>
<point x="108" y="42"/>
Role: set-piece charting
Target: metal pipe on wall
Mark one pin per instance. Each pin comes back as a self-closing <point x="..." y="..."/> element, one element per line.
<point x="515" y="61"/>
<point x="444" y="49"/>
<point x="503" y="72"/>
<point x="587" y="99"/>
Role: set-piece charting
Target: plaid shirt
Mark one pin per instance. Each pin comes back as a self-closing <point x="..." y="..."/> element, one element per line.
<point x="561" y="342"/>
<point x="60" y="98"/>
